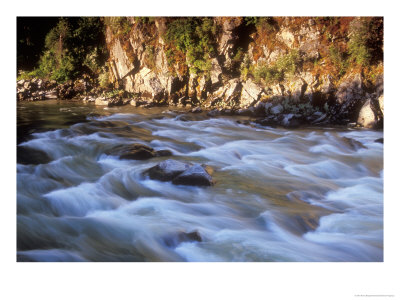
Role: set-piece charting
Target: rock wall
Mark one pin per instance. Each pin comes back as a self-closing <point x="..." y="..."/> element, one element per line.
<point x="138" y="64"/>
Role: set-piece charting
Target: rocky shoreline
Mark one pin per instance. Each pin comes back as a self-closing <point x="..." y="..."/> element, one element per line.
<point x="271" y="113"/>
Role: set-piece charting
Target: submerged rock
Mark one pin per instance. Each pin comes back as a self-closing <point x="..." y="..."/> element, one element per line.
<point x="379" y="140"/>
<point x="28" y="156"/>
<point x="195" y="175"/>
<point x="353" y="144"/>
<point x="173" y="240"/>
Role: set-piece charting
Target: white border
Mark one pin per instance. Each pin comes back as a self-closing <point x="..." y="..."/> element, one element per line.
<point x="322" y="281"/>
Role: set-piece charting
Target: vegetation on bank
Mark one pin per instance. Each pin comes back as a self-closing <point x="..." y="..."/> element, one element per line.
<point x="74" y="47"/>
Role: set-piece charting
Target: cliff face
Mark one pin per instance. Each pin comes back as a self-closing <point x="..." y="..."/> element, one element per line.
<point x="330" y="65"/>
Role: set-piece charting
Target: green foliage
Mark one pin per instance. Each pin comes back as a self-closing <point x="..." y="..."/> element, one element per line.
<point x="245" y="67"/>
<point x="114" y="93"/>
<point x="57" y="61"/>
<point x="120" y="26"/>
<point x="103" y="78"/>
<point x="150" y="57"/>
<point x="251" y="20"/>
<point x="268" y="74"/>
<point x="57" y="36"/>
<point x="238" y="57"/>
<point x="144" y="20"/>
<point x="266" y="23"/>
<point x="338" y="59"/>
<point x="195" y="37"/>
<point x="74" y="46"/>
<point x="285" y="65"/>
<point x="365" y="43"/>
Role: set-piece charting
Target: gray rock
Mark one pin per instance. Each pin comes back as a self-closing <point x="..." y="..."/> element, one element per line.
<point x="277" y="109"/>
<point x="167" y="170"/>
<point x="380" y="100"/>
<point x="250" y="93"/>
<point x="27" y="85"/>
<point x="366" y="117"/>
<point x="196" y="175"/>
<point x="51" y="95"/>
<point x="267" y="107"/>
<point x="101" y="101"/>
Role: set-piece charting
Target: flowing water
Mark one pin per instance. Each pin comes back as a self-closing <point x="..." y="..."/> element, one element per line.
<point x="313" y="194"/>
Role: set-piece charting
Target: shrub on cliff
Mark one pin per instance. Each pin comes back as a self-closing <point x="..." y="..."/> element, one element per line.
<point x="195" y="38"/>
<point x="366" y="41"/>
<point x="285" y="65"/>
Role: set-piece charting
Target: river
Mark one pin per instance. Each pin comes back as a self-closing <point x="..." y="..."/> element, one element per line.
<point x="312" y="194"/>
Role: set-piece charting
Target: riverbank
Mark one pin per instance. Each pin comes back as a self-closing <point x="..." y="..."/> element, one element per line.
<point x="266" y="113"/>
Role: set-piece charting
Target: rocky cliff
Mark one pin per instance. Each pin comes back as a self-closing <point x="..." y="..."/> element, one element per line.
<point x="306" y="65"/>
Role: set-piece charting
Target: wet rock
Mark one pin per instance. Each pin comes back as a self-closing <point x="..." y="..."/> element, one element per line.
<point x="173" y="240"/>
<point x="213" y="113"/>
<point x="277" y="109"/>
<point x="245" y="112"/>
<point x="167" y="170"/>
<point x="243" y="122"/>
<point x="138" y="152"/>
<point x="379" y="140"/>
<point x="29" y="156"/>
<point x="196" y="175"/>
<point x="193" y="236"/>
<point x="317" y="117"/>
<point x="259" y="109"/>
<point x="226" y="112"/>
<point x="270" y="122"/>
<point x="293" y="121"/>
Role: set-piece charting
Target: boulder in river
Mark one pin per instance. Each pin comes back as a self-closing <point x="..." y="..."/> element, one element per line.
<point x="167" y="170"/>
<point x="181" y="173"/>
<point x="195" y="175"/>
<point x="139" y="152"/>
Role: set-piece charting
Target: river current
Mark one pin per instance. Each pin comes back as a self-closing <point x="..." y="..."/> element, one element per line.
<point x="312" y="194"/>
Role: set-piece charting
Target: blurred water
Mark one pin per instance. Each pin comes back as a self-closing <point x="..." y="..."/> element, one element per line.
<point x="280" y="195"/>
